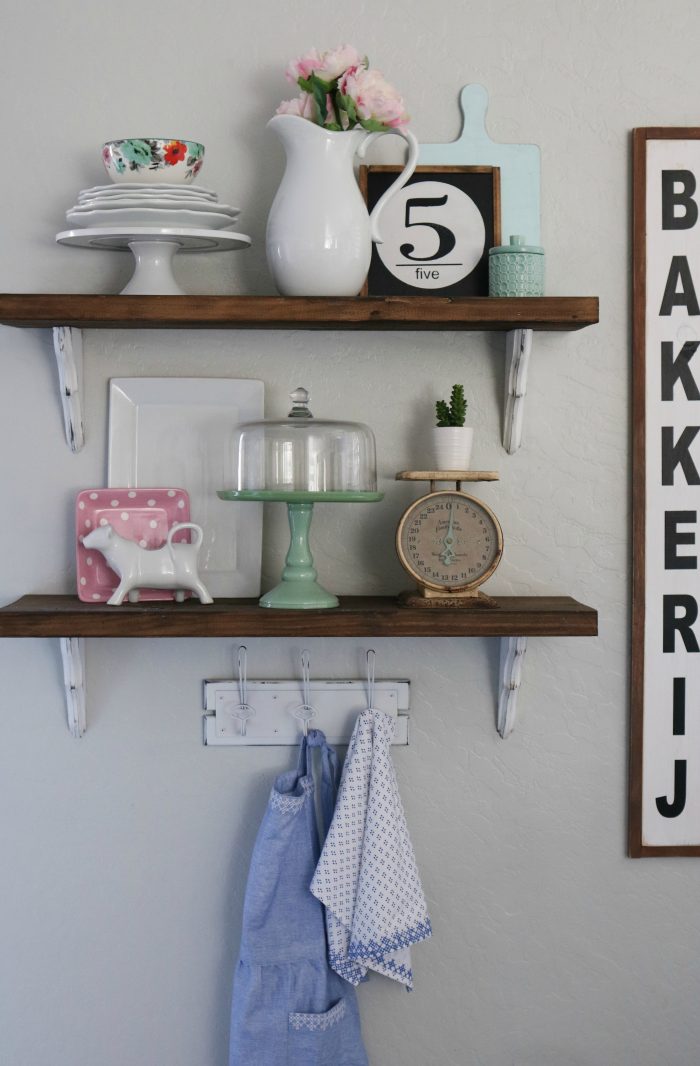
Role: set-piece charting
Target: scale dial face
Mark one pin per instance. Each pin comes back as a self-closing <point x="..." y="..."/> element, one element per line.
<point x="449" y="541"/>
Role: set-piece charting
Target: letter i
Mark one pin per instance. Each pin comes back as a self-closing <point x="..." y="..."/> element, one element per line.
<point x="679" y="706"/>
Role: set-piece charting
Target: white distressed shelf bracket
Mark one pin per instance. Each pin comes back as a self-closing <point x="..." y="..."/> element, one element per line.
<point x="512" y="654"/>
<point x="68" y="347"/>
<point x="73" y="656"/>
<point x="518" y="347"/>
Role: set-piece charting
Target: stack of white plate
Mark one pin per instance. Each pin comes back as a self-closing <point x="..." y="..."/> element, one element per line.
<point x="152" y="206"/>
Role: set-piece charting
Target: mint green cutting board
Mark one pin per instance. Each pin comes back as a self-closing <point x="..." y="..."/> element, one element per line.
<point x="519" y="164"/>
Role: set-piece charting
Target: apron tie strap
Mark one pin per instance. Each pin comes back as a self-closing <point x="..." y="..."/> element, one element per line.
<point x="329" y="771"/>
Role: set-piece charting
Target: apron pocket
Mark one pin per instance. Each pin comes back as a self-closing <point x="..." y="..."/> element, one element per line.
<point x="329" y="1039"/>
<point x="318" y="1023"/>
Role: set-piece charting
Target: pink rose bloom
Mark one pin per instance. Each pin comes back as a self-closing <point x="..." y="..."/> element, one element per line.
<point x="302" y="67"/>
<point x="374" y="97"/>
<point x="336" y="61"/>
<point x="304" y="106"/>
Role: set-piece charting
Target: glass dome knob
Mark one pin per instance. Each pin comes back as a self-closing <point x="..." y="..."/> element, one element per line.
<point x="300" y="403"/>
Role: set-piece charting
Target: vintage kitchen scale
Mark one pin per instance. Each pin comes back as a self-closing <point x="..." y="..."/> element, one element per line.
<point x="448" y="541"/>
<point x="301" y="460"/>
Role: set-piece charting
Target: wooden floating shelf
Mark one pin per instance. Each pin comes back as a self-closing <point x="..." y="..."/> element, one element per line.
<point x="280" y="312"/>
<point x="357" y="616"/>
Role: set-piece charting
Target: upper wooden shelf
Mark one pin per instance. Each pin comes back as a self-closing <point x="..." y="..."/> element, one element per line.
<point x="357" y="616"/>
<point x="280" y="312"/>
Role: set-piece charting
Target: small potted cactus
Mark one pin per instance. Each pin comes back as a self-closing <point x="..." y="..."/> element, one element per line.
<point x="451" y="438"/>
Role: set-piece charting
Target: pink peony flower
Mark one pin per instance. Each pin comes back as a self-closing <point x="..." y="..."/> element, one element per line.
<point x="374" y="97"/>
<point x="303" y="67"/>
<point x="328" y="66"/>
<point x="336" y="61"/>
<point x="304" y="106"/>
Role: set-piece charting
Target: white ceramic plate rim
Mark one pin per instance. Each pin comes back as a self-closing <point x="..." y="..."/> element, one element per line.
<point x="132" y="216"/>
<point x="119" y="238"/>
<point x="146" y="194"/>
<point x="148" y="201"/>
<point x="159" y="205"/>
<point x="150" y="185"/>
<point x="239" y="400"/>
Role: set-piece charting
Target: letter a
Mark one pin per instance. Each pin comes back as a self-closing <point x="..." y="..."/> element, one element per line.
<point x="679" y="271"/>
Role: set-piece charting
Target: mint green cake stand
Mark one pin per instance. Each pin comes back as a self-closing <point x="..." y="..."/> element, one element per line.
<point x="299" y="590"/>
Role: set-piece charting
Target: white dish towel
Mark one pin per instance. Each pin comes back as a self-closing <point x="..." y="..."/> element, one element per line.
<point x="367" y="876"/>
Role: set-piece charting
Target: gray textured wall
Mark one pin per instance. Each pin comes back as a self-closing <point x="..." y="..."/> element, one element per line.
<point x="124" y="855"/>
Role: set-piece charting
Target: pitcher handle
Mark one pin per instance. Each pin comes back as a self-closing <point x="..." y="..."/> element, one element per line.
<point x="400" y="181"/>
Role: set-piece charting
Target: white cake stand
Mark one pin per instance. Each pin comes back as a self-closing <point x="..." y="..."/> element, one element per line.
<point x="153" y="248"/>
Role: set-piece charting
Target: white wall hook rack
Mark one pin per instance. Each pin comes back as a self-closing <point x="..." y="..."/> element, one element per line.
<point x="68" y="348"/>
<point x="336" y="705"/>
<point x="512" y="654"/>
<point x="518" y="348"/>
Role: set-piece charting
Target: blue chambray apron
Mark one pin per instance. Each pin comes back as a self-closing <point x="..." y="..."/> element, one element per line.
<point x="289" y="1008"/>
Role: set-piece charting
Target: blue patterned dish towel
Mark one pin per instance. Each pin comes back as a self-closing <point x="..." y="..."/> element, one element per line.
<point x="367" y="876"/>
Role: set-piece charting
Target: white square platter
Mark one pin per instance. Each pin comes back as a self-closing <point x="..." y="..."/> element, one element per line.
<point x="179" y="431"/>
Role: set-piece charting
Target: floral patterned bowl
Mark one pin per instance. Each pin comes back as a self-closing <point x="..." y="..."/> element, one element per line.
<point x="153" y="160"/>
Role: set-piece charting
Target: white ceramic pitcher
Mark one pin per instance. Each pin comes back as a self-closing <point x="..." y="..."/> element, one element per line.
<point x="319" y="234"/>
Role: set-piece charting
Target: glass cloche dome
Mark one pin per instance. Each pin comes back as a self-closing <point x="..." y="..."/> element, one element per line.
<point x="303" y="454"/>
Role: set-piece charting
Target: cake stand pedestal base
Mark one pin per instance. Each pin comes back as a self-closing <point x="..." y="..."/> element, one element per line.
<point x="299" y="590"/>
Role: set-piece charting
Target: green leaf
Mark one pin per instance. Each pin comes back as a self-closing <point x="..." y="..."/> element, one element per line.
<point x="372" y="125"/>
<point x="336" y="110"/>
<point x="348" y="105"/>
<point x="315" y="87"/>
<point x="320" y="98"/>
<point x="327" y="86"/>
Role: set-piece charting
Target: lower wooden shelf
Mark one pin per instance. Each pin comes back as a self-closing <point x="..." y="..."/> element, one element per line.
<point x="357" y="616"/>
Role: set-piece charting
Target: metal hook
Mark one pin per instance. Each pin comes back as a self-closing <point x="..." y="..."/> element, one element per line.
<point x="242" y="672"/>
<point x="304" y="712"/>
<point x="371" y="662"/>
<point x="244" y="711"/>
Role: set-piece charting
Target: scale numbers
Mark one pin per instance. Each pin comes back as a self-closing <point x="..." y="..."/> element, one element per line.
<point x="450" y="541"/>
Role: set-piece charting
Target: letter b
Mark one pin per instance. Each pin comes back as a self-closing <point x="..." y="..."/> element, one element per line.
<point x="672" y="198"/>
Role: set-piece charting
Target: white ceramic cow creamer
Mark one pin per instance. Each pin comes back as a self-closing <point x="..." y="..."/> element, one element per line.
<point x="173" y="566"/>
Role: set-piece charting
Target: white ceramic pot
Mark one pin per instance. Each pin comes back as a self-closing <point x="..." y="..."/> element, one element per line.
<point x="452" y="447"/>
<point x="319" y="234"/>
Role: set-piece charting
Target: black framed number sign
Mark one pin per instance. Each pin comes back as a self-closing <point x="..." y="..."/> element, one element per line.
<point x="436" y="231"/>
<point x="665" y="678"/>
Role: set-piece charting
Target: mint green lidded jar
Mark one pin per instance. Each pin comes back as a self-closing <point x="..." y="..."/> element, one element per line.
<point x="516" y="269"/>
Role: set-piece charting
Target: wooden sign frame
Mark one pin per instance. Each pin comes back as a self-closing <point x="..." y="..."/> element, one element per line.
<point x="664" y="676"/>
<point x="482" y="186"/>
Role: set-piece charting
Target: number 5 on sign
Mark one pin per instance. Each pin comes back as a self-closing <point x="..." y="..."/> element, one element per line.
<point x="436" y="232"/>
<point x="446" y="237"/>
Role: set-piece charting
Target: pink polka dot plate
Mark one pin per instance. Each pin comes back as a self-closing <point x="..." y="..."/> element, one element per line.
<point x="143" y="515"/>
